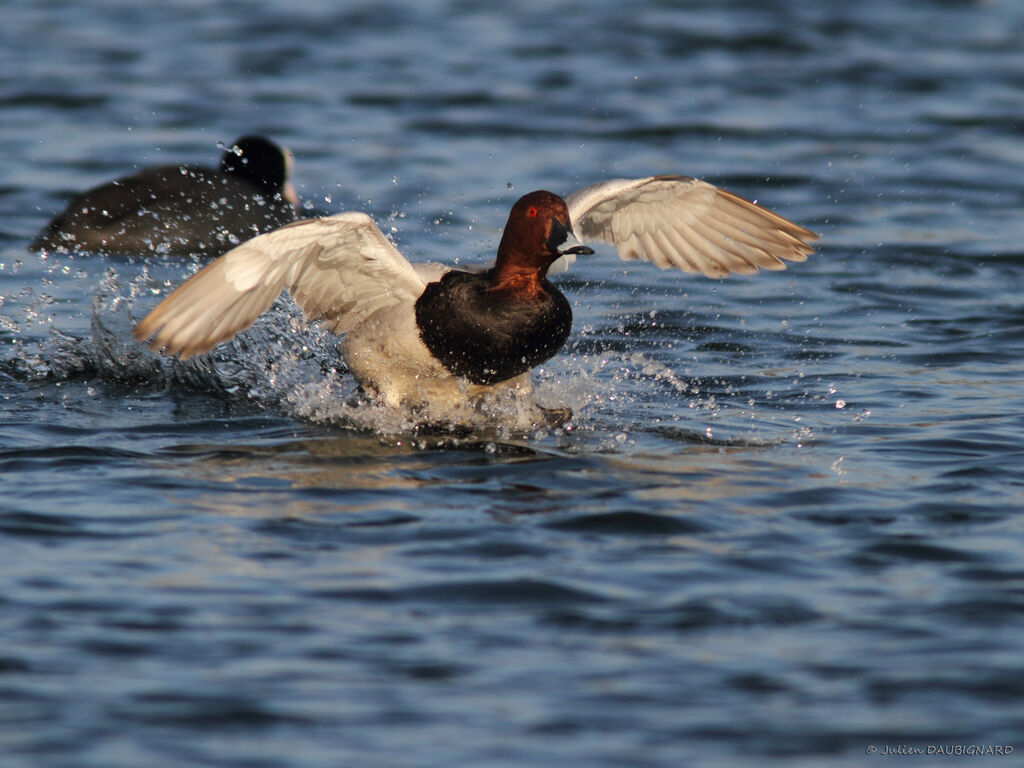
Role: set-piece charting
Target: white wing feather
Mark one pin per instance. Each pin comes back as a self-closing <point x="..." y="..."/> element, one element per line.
<point x="681" y="222"/>
<point x="339" y="269"/>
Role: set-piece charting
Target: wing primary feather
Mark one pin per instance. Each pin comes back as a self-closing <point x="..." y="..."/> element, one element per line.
<point x="708" y="265"/>
<point x="734" y="229"/>
<point x="680" y="258"/>
<point x="651" y="252"/>
<point x="689" y="255"/>
<point x="732" y="256"/>
<point x="760" y="217"/>
<point x="779" y="243"/>
<point x="728" y="251"/>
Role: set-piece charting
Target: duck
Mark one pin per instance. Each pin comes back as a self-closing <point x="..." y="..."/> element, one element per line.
<point x="416" y="333"/>
<point x="181" y="209"/>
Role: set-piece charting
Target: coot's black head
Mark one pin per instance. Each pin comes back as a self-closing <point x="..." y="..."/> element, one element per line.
<point x="260" y="162"/>
<point x="538" y="232"/>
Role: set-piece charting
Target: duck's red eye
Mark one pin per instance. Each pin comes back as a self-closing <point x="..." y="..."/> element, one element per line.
<point x="531" y="212"/>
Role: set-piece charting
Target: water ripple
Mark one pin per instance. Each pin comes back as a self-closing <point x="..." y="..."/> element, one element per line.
<point x="783" y="524"/>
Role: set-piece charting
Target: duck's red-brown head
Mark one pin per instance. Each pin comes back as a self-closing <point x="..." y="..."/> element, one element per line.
<point x="538" y="232"/>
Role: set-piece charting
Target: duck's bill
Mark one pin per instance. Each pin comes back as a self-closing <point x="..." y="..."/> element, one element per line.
<point x="574" y="247"/>
<point x="578" y="250"/>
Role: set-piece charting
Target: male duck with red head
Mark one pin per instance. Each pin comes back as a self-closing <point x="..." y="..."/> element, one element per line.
<point x="492" y="326"/>
<point x="416" y="334"/>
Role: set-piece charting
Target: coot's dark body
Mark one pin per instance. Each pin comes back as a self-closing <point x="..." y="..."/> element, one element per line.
<point x="180" y="209"/>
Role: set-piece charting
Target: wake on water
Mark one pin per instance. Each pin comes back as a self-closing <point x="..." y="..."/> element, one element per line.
<point x="281" y="361"/>
<point x="286" y="363"/>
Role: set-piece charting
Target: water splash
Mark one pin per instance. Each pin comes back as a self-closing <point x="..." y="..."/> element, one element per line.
<point x="285" y="363"/>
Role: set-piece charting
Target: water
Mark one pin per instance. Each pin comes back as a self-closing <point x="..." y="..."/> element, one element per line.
<point x="784" y="526"/>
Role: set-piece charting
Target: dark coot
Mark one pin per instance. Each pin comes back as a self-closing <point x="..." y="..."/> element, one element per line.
<point x="181" y="209"/>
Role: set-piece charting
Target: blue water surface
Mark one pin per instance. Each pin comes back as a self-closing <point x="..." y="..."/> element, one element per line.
<point x="783" y="528"/>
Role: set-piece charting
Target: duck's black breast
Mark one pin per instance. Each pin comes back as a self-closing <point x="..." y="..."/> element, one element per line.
<point x="487" y="337"/>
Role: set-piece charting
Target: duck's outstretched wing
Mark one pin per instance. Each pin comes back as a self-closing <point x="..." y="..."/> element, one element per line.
<point x="678" y="221"/>
<point x="339" y="269"/>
